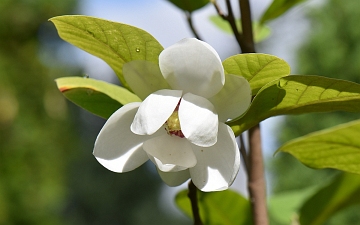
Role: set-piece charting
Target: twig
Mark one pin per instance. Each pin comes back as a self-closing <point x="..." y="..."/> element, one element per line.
<point x="191" y="25"/>
<point x="231" y="20"/>
<point x="192" y="194"/>
<point x="243" y="153"/>
<point x="256" y="180"/>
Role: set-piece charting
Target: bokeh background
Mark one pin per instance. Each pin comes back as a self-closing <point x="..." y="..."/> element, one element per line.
<point x="47" y="172"/>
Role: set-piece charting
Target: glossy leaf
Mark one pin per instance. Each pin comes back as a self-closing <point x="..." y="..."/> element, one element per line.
<point x="261" y="32"/>
<point x="342" y="192"/>
<point x="189" y="5"/>
<point x="277" y="8"/>
<point x="225" y="207"/>
<point x="98" y="97"/>
<point x="258" y="69"/>
<point x="337" y="147"/>
<point x="115" y="43"/>
<point x="299" y="94"/>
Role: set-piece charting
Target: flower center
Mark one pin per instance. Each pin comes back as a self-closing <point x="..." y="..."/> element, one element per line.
<point x="173" y="124"/>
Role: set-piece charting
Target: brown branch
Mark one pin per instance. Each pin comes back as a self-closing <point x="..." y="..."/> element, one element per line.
<point x="256" y="180"/>
<point x="192" y="194"/>
<point x="246" y="24"/>
<point x="191" y="25"/>
<point x="231" y="20"/>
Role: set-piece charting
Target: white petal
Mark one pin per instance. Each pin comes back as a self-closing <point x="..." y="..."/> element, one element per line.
<point x="174" y="178"/>
<point x="116" y="147"/>
<point x="165" y="167"/>
<point x="217" y="165"/>
<point x="234" y="99"/>
<point x="192" y="66"/>
<point x="198" y="120"/>
<point x="154" y="111"/>
<point x="144" y="77"/>
<point x="173" y="153"/>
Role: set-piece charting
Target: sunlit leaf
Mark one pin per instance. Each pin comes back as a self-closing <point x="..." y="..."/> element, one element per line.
<point x="342" y="192"/>
<point x="277" y="8"/>
<point x="189" y="5"/>
<point x="225" y="207"/>
<point x="258" y="69"/>
<point x="261" y="32"/>
<point x="283" y="207"/>
<point x="299" y="94"/>
<point x="115" y="43"/>
<point x="337" y="147"/>
<point x="98" y="97"/>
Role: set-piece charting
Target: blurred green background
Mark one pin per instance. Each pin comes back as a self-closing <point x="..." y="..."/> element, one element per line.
<point x="48" y="174"/>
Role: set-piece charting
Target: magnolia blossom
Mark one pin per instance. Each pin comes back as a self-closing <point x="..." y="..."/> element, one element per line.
<point x="181" y="129"/>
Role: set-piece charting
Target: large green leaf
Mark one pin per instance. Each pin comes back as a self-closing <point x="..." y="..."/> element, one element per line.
<point x="299" y="94"/>
<point x="98" y="97"/>
<point x="115" y="43"/>
<point x="342" y="192"/>
<point x="337" y="147"/>
<point x="277" y="8"/>
<point x="261" y="32"/>
<point x="225" y="207"/>
<point x="189" y="5"/>
<point x="258" y="69"/>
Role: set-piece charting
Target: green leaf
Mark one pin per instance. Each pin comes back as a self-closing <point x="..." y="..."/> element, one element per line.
<point x="115" y="43"/>
<point x="261" y="32"/>
<point x="299" y="94"/>
<point x="258" y="69"/>
<point x="225" y="207"/>
<point x="189" y="5"/>
<point x="337" y="147"/>
<point x="144" y="77"/>
<point x="283" y="207"/>
<point x="98" y="97"/>
<point x="342" y="192"/>
<point x="277" y="8"/>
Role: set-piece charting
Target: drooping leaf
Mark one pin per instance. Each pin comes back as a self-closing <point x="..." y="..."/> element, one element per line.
<point x="225" y="207"/>
<point x="299" y="94"/>
<point x="115" y="43"/>
<point x="261" y="32"/>
<point x="258" y="69"/>
<point x="283" y="207"/>
<point x="98" y="97"/>
<point x="337" y="147"/>
<point x="189" y="5"/>
<point x="277" y="8"/>
<point x="342" y="192"/>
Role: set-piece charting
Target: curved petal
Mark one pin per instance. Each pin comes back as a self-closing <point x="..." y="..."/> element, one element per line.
<point x="192" y="66"/>
<point x="116" y="147"/>
<point x="154" y="111"/>
<point x="174" y="178"/>
<point x="198" y="120"/>
<point x="217" y="165"/>
<point x="165" y="167"/>
<point x="144" y="77"/>
<point x="170" y="153"/>
<point x="233" y="99"/>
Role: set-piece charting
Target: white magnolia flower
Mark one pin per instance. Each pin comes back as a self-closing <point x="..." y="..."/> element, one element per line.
<point x="181" y="130"/>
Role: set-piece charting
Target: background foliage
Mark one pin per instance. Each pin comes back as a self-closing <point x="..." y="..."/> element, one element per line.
<point x="48" y="174"/>
<point x="332" y="50"/>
